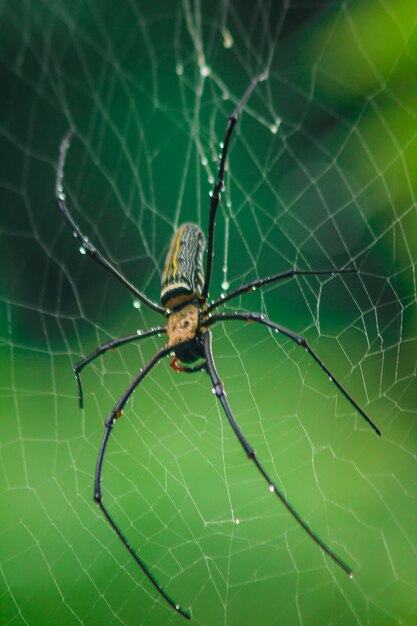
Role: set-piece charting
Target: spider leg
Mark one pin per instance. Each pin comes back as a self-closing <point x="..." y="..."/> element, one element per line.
<point x="200" y="367"/>
<point x="299" y="341"/>
<point x="215" y="196"/>
<point x="85" y="243"/>
<point x="218" y="390"/>
<point x="248" y="287"/>
<point x="98" y="495"/>
<point x="110" y="345"/>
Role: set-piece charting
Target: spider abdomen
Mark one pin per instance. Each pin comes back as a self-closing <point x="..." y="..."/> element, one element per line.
<point x="183" y="276"/>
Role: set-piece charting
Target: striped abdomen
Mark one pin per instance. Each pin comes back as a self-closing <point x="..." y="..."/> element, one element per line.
<point x="183" y="277"/>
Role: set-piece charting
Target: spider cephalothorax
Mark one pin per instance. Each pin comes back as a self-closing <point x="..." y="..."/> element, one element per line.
<point x="189" y="315"/>
<point x="184" y="330"/>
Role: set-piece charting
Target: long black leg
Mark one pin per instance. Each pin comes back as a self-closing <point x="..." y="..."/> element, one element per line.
<point x="98" y="495"/>
<point x="85" y="243"/>
<point x="218" y="390"/>
<point x="248" y="287"/>
<point x="110" y="345"/>
<point x="300" y="341"/>
<point x="215" y="196"/>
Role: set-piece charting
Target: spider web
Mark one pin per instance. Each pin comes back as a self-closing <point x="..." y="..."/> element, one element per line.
<point x="321" y="175"/>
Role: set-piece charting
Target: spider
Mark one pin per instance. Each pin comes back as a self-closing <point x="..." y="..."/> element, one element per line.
<point x="190" y="316"/>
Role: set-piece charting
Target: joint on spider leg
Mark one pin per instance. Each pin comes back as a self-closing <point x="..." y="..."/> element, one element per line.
<point x="76" y="369"/>
<point x="98" y="496"/>
<point x="217" y="190"/>
<point x="111" y="419"/>
<point x="218" y="389"/>
<point x="250" y="452"/>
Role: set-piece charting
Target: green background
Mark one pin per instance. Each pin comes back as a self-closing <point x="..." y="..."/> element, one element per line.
<point x="333" y="187"/>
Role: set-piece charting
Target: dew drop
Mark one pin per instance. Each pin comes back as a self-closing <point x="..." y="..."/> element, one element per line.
<point x="204" y="161"/>
<point x="211" y="180"/>
<point x="82" y="250"/>
<point x="136" y="304"/>
<point x="225" y="284"/>
<point x="237" y="521"/>
<point x="350" y="575"/>
<point x="179" y="69"/>
<point x="177" y="606"/>
<point x="271" y="488"/>
<point x="274" y="127"/>
<point x="227" y="39"/>
<point x="331" y="379"/>
<point x="139" y="332"/>
<point x="226" y="95"/>
<point x="205" y="70"/>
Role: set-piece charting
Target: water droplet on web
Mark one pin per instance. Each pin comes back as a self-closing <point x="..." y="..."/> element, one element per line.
<point x="225" y="285"/>
<point x="136" y="304"/>
<point x="237" y="521"/>
<point x="204" y="161"/>
<point x="211" y="180"/>
<point x="226" y="95"/>
<point x="205" y="70"/>
<point x="351" y="575"/>
<point x="179" y="69"/>
<point x="271" y="488"/>
<point x="331" y="379"/>
<point x="227" y="39"/>
<point x="177" y="606"/>
<point x="274" y="127"/>
<point x="82" y="250"/>
<point x="139" y="332"/>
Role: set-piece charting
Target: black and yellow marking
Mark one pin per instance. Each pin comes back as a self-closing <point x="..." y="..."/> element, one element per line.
<point x="183" y="277"/>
